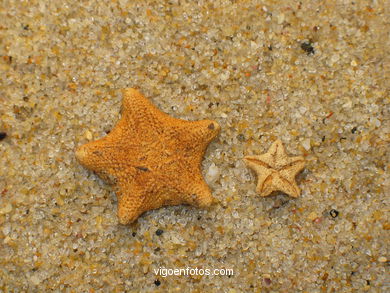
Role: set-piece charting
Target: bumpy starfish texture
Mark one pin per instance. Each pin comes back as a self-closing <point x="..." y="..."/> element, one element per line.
<point x="152" y="159"/>
<point x="276" y="171"/>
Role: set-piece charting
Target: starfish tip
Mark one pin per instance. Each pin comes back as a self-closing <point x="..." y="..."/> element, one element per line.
<point x="128" y="92"/>
<point x="124" y="220"/>
<point x="206" y="201"/>
<point x="214" y="127"/>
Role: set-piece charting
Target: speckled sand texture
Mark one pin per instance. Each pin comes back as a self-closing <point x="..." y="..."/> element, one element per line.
<point x="313" y="73"/>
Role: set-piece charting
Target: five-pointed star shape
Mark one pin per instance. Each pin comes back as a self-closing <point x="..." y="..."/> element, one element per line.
<point x="152" y="159"/>
<point x="276" y="171"/>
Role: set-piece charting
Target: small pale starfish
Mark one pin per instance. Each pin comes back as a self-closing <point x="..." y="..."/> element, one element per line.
<point x="276" y="171"/>
<point x="152" y="159"/>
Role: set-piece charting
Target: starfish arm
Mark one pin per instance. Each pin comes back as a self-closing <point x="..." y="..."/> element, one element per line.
<point x="194" y="137"/>
<point x="264" y="182"/>
<point x="94" y="155"/>
<point x="257" y="163"/>
<point x="295" y="190"/>
<point x="182" y="184"/>
<point x="143" y="193"/>
<point x="276" y="155"/>
<point x="140" y="117"/>
<point x="289" y="171"/>
<point x="277" y="149"/>
<point x="102" y="156"/>
<point x="134" y="103"/>
<point x="131" y="202"/>
<point x="264" y="174"/>
<point x="197" y="192"/>
<point x="287" y="186"/>
<point x="203" y="131"/>
<point x="265" y="185"/>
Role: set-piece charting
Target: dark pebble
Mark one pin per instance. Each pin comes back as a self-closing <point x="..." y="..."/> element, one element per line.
<point x="157" y="283"/>
<point x="307" y="47"/>
<point x="334" y="213"/>
<point x="159" y="232"/>
<point x="3" y="135"/>
<point x="133" y="234"/>
<point x="354" y="129"/>
<point x="241" y="137"/>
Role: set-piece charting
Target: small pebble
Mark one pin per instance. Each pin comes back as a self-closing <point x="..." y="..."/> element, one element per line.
<point x="382" y="259"/>
<point x="88" y="135"/>
<point x="3" y="135"/>
<point x="306" y="144"/>
<point x="317" y="220"/>
<point x="7" y="240"/>
<point x="35" y="280"/>
<point x="6" y="209"/>
<point x="159" y="232"/>
<point x="157" y="283"/>
<point x="212" y="173"/>
<point x="312" y="216"/>
<point x="7" y="229"/>
<point x="334" y="213"/>
<point x="307" y="47"/>
<point x="280" y="18"/>
<point x="267" y="281"/>
<point x="241" y="137"/>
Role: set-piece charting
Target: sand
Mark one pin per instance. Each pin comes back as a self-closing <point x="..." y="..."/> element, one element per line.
<point x="314" y="74"/>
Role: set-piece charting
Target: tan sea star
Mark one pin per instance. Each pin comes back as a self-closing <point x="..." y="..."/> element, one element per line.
<point x="276" y="171"/>
<point x="152" y="159"/>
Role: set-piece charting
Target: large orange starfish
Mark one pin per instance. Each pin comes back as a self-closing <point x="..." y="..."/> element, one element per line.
<point x="152" y="159"/>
